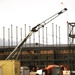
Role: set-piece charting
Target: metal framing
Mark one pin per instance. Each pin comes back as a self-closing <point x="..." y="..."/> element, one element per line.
<point x="71" y="37"/>
<point x="61" y="54"/>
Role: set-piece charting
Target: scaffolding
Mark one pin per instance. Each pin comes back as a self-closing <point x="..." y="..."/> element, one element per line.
<point x="71" y="43"/>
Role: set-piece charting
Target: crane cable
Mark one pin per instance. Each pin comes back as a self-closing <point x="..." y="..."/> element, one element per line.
<point x="42" y="24"/>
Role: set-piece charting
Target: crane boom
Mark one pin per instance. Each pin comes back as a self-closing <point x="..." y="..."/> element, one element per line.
<point x="34" y="29"/>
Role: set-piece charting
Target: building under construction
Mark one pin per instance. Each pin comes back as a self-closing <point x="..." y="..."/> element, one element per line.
<point x="41" y="55"/>
<point x="37" y="54"/>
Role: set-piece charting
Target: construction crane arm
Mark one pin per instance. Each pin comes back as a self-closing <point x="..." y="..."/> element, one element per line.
<point x="42" y="24"/>
<point x="34" y="29"/>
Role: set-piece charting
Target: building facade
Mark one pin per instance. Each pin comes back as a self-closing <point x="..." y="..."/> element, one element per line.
<point x="43" y="55"/>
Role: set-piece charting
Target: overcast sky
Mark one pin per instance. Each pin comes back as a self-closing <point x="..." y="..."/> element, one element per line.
<point x="32" y="12"/>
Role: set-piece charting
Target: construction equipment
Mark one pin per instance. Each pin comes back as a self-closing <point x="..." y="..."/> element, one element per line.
<point x="52" y="70"/>
<point x="4" y="64"/>
<point x="57" y="70"/>
<point x="17" y="50"/>
<point x="9" y="67"/>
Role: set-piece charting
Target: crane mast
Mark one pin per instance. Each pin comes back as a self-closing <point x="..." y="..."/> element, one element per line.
<point x="34" y="29"/>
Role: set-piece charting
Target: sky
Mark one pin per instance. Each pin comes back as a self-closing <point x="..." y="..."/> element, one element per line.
<point x="32" y="12"/>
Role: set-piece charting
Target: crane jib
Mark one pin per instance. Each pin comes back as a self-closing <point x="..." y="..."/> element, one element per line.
<point x="42" y="24"/>
<point x="34" y="29"/>
<point x="65" y="9"/>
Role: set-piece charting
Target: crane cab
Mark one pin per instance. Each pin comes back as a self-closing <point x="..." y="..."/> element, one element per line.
<point x="52" y="70"/>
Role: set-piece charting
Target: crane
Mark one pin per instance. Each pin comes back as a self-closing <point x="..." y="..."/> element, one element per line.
<point x="18" y="48"/>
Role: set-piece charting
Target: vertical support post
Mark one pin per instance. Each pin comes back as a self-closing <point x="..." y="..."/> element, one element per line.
<point x="39" y="37"/>
<point x="16" y="35"/>
<point x="21" y="33"/>
<point x="29" y="37"/>
<point x="43" y="35"/>
<point x="56" y="35"/>
<point x="54" y="55"/>
<point x="46" y="37"/>
<point x="67" y="33"/>
<point x="53" y="34"/>
<point x="34" y="39"/>
<point x="21" y="40"/>
<point x="25" y="34"/>
<point x="4" y="36"/>
<point x="59" y="36"/>
<point x="9" y="37"/>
